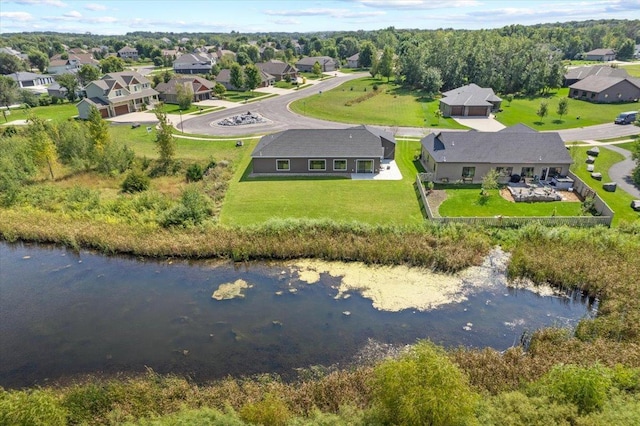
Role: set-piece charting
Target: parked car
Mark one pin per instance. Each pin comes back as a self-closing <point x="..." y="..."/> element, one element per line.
<point x="626" y="117"/>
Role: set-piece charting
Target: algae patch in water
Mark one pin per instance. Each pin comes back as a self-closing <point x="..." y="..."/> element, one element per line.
<point x="231" y="290"/>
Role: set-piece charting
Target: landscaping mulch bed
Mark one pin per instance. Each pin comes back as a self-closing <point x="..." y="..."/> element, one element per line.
<point x="435" y="198"/>
<point x="567" y="196"/>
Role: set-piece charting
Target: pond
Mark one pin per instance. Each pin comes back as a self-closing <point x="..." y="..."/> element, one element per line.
<point x="64" y="313"/>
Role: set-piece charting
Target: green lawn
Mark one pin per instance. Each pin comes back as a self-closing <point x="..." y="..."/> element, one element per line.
<point x="143" y="144"/>
<point x="52" y="112"/>
<point x="463" y="202"/>
<point x="175" y="109"/>
<point x="251" y="201"/>
<point x="241" y="96"/>
<point x="629" y="146"/>
<point x="392" y="106"/>
<point x="633" y="70"/>
<point x="619" y="201"/>
<point x="523" y="110"/>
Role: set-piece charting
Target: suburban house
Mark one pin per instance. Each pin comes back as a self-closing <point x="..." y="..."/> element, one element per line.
<point x="224" y="78"/>
<point x="517" y="150"/>
<point x="327" y="64"/>
<point x="29" y="80"/>
<point x="200" y="87"/>
<point x="222" y="52"/>
<point x="13" y="52"/>
<point x="469" y="100"/>
<point x="580" y="73"/>
<point x="73" y="62"/>
<point x="56" y="91"/>
<point x="360" y="149"/>
<point x="600" y="55"/>
<point x="116" y="94"/>
<point x="353" y="60"/>
<point x="194" y="63"/>
<point x="278" y="69"/>
<point x="606" y="89"/>
<point x="128" y="52"/>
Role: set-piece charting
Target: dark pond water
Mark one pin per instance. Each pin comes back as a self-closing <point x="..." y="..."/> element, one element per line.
<point x="64" y="314"/>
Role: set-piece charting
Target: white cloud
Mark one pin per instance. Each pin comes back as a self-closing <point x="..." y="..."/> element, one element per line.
<point x="333" y="13"/>
<point x="287" y="21"/>
<point x="102" y="20"/>
<point x="56" y="3"/>
<point x="94" y="6"/>
<point x="73" y="14"/>
<point x="418" y="4"/>
<point x="17" y="16"/>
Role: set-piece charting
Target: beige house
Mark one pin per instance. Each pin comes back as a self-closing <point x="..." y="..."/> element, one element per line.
<point x="600" y="55"/>
<point x="116" y="94"/>
<point x="607" y="89"/>
<point x="200" y="87"/>
<point x="469" y="100"/>
<point x="518" y="150"/>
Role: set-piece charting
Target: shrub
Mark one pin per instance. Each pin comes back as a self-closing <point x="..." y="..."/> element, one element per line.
<point x="193" y="209"/>
<point x="422" y="387"/>
<point x="270" y="411"/>
<point x="31" y="408"/>
<point x="194" y="173"/>
<point x="136" y="181"/>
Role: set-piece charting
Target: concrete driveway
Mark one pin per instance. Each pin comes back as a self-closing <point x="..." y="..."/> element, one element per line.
<point x="481" y="124"/>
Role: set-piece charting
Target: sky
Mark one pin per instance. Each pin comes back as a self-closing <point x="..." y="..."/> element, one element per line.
<point x="110" y="17"/>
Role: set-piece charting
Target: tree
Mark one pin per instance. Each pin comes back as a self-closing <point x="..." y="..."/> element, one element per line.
<point x="164" y="139"/>
<point x="184" y="94"/>
<point x="98" y="131"/>
<point x="243" y="58"/>
<point x="489" y="182"/>
<point x="43" y="150"/>
<point x="386" y="63"/>
<point x="347" y="47"/>
<point x="543" y="110"/>
<point x="509" y="98"/>
<point x="563" y="107"/>
<point x="219" y="90"/>
<point x="236" y="76"/>
<point x="38" y="60"/>
<point x="158" y="61"/>
<point x="635" y="154"/>
<point x="422" y="387"/>
<point x="375" y="69"/>
<point x="8" y="91"/>
<point x="317" y="69"/>
<point x="215" y="70"/>
<point x="626" y="49"/>
<point x="438" y="114"/>
<point x="431" y="81"/>
<point x="252" y="77"/>
<point x="367" y="52"/>
<point x="10" y="64"/>
<point x="112" y="64"/>
<point x="69" y="82"/>
<point x="268" y="53"/>
<point x="88" y="73"/>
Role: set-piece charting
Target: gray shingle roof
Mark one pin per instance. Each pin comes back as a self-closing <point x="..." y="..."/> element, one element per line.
<point x="600" y="70"/>
<point x="515" y="146"/>
<point x="601" y="52"/>
<point x="596" y="83"/>
<point x="274" y="67"/>
<point x="360" y="141"/>
<point x="311" y="60"/>
<point x="470" y="95"/>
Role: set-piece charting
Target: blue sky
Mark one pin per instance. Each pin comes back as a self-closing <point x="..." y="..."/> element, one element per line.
<point x="118" y="17"/>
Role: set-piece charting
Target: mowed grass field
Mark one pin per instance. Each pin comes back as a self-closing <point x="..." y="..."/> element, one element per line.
<point x="254" y="201"/>
<point x="390" y="106"/>
<point x="619" y="201"/>
<point x="62" y="111"/>
<point x="523" y="110"/>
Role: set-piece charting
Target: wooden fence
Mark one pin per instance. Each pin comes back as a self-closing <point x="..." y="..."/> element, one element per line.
<point x="511" y="221"/>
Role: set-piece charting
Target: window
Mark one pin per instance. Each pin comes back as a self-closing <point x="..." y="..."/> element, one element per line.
<point x="504" y="171"/>
<point x="593" y="95"/>
<point x="554" y="171"/>
<point x="340" y="165"/>
<point x="317" y="165"/>
<point x="527" y="172"/>
<point x="282" y="165"/>
<point x="118" y="92"/>
<point x="468" y="172"/>
<point x="575" y="92"/>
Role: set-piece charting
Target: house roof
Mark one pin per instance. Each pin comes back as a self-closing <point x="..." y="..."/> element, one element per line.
<point x="360" y="141"/>
<point x="602" y="70"/>
<point x="128" y="49"/>
<point x="470" y="95"/>
<point x="354" y="57"/>
<point x="96" y="102"/>
<point x="275" y="67"/>
<point x="198" y="84"/>
<point x="310" y="60"/>
<point x="27" y="76"/>
<point x="601" y="52"/>
<point x="596" y="83"/>
<point x="514" y="145"/>
<point x="194" y="58"/>
<point x="224" y="76"/>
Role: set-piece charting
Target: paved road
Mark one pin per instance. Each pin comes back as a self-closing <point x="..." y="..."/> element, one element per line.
<point x="621" y="172"/>
<point x="601" y="131"/>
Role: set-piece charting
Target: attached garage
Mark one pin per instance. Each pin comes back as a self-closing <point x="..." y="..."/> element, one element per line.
<point x="104" y="113"/>
<point x="121" y="109"/>
<point x="475" y="111"/>
<point x="457" y="110"/>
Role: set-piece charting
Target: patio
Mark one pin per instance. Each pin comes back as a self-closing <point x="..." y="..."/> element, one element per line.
<point x="535" y="192"/>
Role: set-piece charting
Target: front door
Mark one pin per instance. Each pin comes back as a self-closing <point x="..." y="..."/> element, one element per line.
<point x="364" y="166"/>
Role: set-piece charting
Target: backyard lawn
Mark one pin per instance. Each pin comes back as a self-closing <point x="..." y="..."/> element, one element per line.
<point x="633" y="70"/>
<point x="252" y="201"/>
<point x="463" y="202"/>
<point x="523" y="110"/>
<point x="356" y="102"/>
<point x="52" y="112"/>
<point x="619" y="201"/>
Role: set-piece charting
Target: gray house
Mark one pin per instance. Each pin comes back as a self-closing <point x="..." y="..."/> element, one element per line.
<point x="128" y="52"/>
<point x="606" y="89"/>
<point x="29" y="80"/>
<point x="194" y="63"/>
<point x="200" y="87"/>
<point x="600" y="55"/>
<point x="574" y="75"/>
<point x="468" y="156"/>
<point x="469" y="100"/>
<point x="353" y="61"/>
<point x="358" y="149"/>
<point x="278" y="69"/>
<point x="327" y="64"/>
<point x="224" y="78"/>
